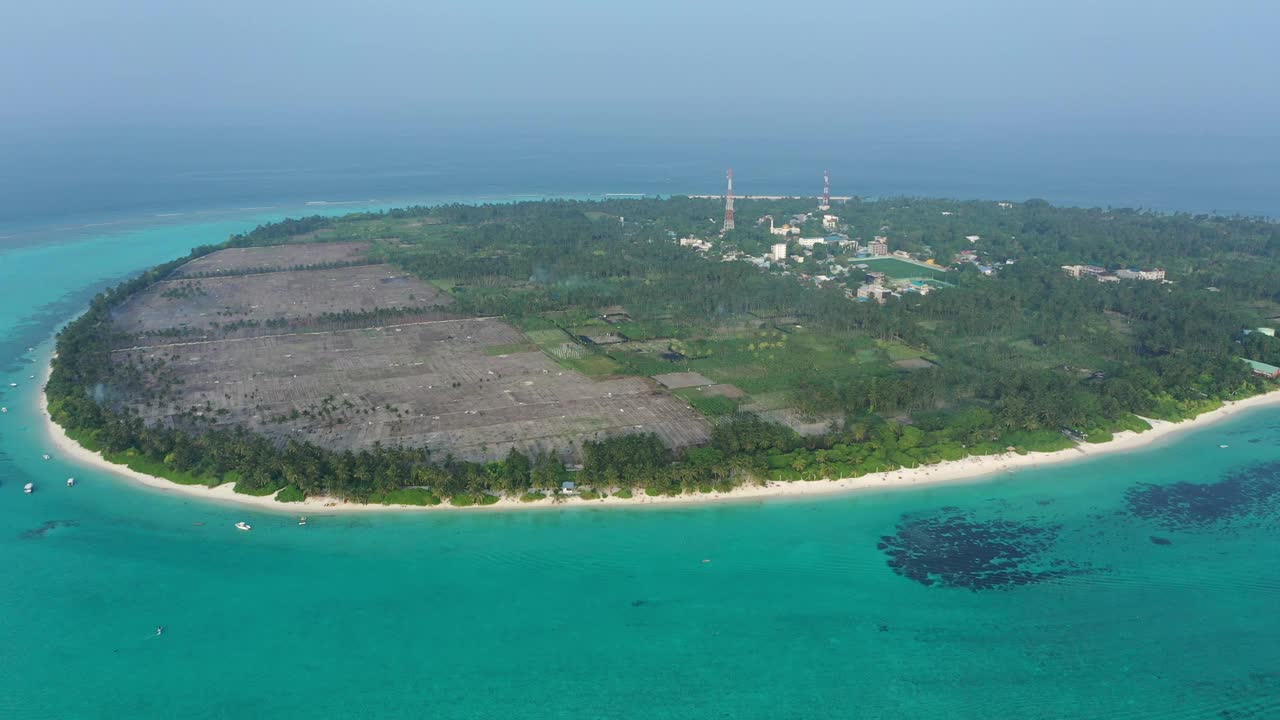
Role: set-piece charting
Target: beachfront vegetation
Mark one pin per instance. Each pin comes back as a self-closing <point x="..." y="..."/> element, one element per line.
<point x="1028" y="359"/>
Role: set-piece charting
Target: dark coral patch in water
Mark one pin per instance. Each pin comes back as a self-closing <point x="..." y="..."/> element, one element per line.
<point x="36" y="533"/>
<point x="1161" y="541"/>
<point x="951" y="549"/>
<point x="1247" y="495"/>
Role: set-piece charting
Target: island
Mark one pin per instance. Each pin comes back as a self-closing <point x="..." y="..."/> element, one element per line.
<point x="563" y="352"/>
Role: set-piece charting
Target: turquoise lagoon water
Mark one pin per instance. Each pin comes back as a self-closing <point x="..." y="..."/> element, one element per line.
<point x="1114" y="603"/>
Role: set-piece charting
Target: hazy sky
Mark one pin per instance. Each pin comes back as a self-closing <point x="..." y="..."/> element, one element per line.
<point x="648" y="65"/>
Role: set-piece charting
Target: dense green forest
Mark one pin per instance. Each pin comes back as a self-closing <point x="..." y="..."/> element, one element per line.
<point x="1028" y="358"/>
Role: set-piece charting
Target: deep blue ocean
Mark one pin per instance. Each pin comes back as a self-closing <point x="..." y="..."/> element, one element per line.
<point x="1142" y="585"/>
<point x="133" y="174"/>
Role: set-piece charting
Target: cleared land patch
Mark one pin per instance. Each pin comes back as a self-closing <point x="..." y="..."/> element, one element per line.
<point x="898" y="269"/>
<point x="426" y="385"/>
<point x="728" y="391"/>
<point x="278" y="257"/>
<point x="221" y="304"/>
<point x="913" y="364"/>
<point x="470" y="387"/>
<point x="683" y="380"/>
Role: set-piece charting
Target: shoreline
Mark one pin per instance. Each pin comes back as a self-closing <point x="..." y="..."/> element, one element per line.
<point x="970" y="469"/>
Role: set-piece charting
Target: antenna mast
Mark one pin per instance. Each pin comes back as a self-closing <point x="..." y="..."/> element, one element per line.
<point x="728" y="204"/>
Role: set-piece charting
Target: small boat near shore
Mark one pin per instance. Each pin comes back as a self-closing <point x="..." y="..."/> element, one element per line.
<point x="242" y="525"/>
<point x="29" y="488"/>
<point x="45" y="456"/>
<point x="302" y="520"/>
<point x="71" y="482"/>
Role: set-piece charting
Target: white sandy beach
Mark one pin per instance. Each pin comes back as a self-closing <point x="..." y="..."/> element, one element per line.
<point x="969" y="469"/>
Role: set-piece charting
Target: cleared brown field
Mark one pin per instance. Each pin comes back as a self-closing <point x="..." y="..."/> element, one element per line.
<point x="427" y="384"/>
<point x="677" y="380"/>
<point x="729" y="391"/>
<point x="206" y="303"/>
<point x="430" y="382"/>
<point x="275" y="256"/>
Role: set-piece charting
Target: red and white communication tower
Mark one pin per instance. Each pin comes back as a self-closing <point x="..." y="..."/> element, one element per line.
<point x="728" y="205"/>
<point x="826" y="191"/>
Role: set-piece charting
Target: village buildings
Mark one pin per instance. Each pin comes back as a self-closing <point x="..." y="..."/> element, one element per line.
<point x="1101" y="274"/>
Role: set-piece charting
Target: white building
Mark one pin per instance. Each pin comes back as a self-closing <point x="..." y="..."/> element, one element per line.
<point x="830" y="222"/>
<point x="783" y="230"/>
<point x="973" y="238"/>
<point x="808" y="243"/>
<point x="778" y="252"/>
<point x="879" y="246"/>
<point x="695" y="243"/>
<point x="874" y="292"/>
<point x="1132" y="274"/>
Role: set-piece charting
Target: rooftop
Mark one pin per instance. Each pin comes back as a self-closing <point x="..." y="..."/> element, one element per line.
<point x="1263" y="368"/>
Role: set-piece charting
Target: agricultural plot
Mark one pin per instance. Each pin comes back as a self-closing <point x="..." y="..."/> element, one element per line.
<point x="471" y="387"/>
<point x="713" y="400"/>
<point x="722" y="390"/>
<point x="758" y="370"/>
<point x="794" y="419"/>
<point x="207" y="304"/>
<point x="678" y="380"/>
<point x="279" y="257"/>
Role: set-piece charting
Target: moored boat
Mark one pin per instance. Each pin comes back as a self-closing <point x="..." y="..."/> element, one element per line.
<point x="71" y="482"/>
<point x="242" y="525"/>
<point x="29" y="488"/>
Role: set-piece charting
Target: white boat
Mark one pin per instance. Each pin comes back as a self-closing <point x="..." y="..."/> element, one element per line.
<point x="71" y="482"/>
<point x="13" y="384"/>
<point x="302" y="520"/>
<point x="4" y="409"/>
<point x="242" y="525"/>
<point x="45" y="456"/>
<point x="29" y="488"/>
